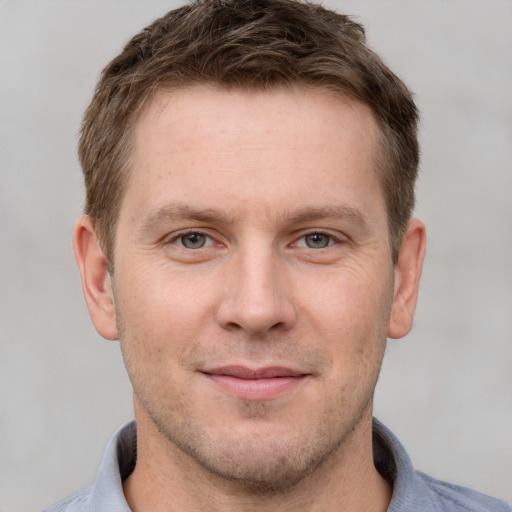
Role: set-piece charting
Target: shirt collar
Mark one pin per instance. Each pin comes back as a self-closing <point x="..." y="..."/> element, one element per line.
<point x="391" y="460"/>
<point x="118" y="459"/>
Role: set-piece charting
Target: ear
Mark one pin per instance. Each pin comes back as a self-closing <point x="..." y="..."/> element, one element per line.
<point x="96" y="283"/>
<point x="407" y="279"/>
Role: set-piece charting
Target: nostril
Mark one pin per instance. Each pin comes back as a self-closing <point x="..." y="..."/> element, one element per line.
<point x="255" y="325"/>
<point x="256" y="298"/>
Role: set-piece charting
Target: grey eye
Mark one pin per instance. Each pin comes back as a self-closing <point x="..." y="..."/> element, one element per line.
<point x="317" y="240"/>
<point x="193" y="240"/>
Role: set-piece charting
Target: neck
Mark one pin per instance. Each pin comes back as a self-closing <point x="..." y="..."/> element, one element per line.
<point x="166" y="479"/>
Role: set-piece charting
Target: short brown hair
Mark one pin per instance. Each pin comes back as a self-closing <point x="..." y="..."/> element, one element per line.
<point x="246" y="44"/>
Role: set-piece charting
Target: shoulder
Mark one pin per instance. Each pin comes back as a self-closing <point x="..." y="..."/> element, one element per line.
<point x="106" y="493"/>
<point x="454" y="498"/>
<point x="78" y="502"/>
<point x="414" y="491"/>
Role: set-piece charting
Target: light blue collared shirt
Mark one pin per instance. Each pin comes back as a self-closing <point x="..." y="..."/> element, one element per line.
<point x="413" y="491"/>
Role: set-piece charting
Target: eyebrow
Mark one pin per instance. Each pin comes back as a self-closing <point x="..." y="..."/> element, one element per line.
<point x="342" y="211"/>
<point x="173" y="212"/>
<point x="182" y="211"/>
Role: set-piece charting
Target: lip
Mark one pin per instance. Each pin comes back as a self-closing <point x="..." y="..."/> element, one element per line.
<point x="255" y="384"/>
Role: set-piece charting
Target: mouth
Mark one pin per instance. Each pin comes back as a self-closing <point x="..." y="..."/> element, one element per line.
<point x="255" y="384"/>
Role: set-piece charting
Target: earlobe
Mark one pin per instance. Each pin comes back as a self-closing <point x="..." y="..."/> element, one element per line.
<point x="407" y="279"/>
<point x="96" y="281"/>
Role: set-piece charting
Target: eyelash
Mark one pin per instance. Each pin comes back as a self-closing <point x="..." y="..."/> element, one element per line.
<point x="177" y="238"/>
<point x="332" y="240"/>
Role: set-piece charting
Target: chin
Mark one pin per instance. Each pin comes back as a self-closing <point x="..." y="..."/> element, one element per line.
<point x="261" y="458"/>
<point x="263" y="464"/>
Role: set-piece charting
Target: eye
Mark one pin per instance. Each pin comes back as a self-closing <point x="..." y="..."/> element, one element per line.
<point x="193" y="240"/>
<point x="316" y="240"/>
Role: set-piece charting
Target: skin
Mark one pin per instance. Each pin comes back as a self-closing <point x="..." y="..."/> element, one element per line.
<point x="295" y="272"/>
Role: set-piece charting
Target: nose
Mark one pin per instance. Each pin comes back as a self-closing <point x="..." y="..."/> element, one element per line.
<point x="256" y="296"/>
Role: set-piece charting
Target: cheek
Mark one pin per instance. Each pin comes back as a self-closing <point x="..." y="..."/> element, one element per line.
<point x="351" y="302"/>
<point x="351" y="314"/>
<point x="160" y="296"/>
<point x="159" y="319"/>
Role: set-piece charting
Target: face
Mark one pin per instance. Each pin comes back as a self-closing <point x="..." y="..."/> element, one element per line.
<point x="253" y="279"/>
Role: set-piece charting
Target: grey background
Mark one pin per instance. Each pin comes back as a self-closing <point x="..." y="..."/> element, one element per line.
<point x="445" y="389"/>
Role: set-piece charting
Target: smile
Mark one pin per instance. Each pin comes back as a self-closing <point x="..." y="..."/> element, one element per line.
<point x="258" y="385"/>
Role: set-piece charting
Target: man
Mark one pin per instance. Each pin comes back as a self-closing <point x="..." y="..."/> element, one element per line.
<point x="250" y="170"/>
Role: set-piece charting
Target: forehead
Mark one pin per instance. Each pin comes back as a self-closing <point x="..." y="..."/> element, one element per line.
<point x="272" y="145"/>
<point x="257" y="112"/>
